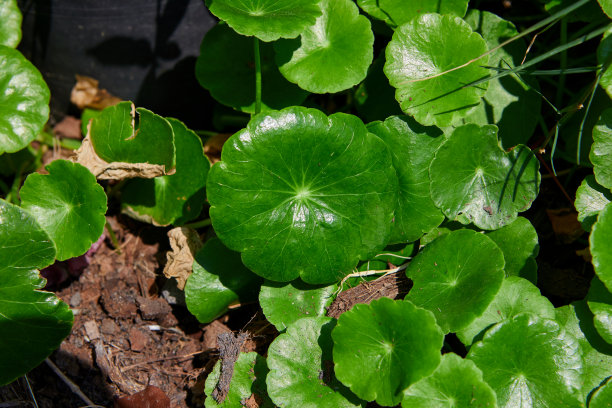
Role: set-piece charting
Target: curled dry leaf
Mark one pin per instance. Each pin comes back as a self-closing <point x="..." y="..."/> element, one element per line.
<point x="185" y="243"/>
<point x="103" y="170"/>
<point x="86" y="94"/>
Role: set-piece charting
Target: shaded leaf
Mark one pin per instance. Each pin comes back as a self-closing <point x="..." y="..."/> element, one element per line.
<point x="398" y="12"/>
<point x="519" y="243"/>
<point x="601" y="246"/>
<point x="599" y="300"/>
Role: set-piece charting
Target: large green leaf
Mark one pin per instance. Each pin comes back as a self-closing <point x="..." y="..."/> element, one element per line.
<point x="267" y="20"/>
<point x="530" y="362"/>
<point x="508" y="103"/>
<point x="10" y="23"/>
<point x="24" y="101"/>
<point x="226" y="67"/>
<point x="456" y="277"/>
<point x="398" y="12"/>
<point x="412" y="148"/>
<point x="474" y="179"/>
<point x="455" y="383"/>
<point x="32" y="322"/>
<point x="515" y="296"/>
<point x="285" y="303"/>
<point x="218" y="279"/>
<point x="303" y="195"/>
<point x="429" y="45"/>
<point x="379" y="353"/>
<point x="519" y="243"/>
<point x="601" y="246"/>
<point x="591" y="198"/>
<point x="178" y="198"/>
<point x="248" y="379"/>
<point x="602" y="398"/>
<point x="577" y="320"/>
<point x="606" y="7"/>
<point x="69" y="204"/>
<point x="302" y="369"/>
<point x="116" y="137"/>
<point x="601" y="150"/>
<point x="599" y="300"/>
<point x="333" y="54"/>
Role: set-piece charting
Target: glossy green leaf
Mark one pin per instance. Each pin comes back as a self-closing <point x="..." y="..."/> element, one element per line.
<point x="601" y="150"/>
<point x="530" y="362"/>
<point x="473" y="178"/>
<point x="599" y="300"/>
<point x="285" y="303"/>
<point x="32" y="322"/>
<point x="412" y="149"/>
<point x="248" y="378"/>
<point x="456" y="277"/>
<point x="333" y="54"/>
<point x="519" y="243"/>
<point x="218" y="279"/>
<point x="515" y="296"/>
<point x="116" y="137"/>
<point x="429" y="45"/>
<point x="86" y="116"/>
<point x="602" y="398"/>
<point x="374" y="98"/>
<point x="226" y="67"/>
<point x="303" y="195"/>
<point x="378" y="353"/>
<point x="69" y="204"/>
<point x="577" y="320"/>
<point x="455" y="383"/>
<point x="508" y="103"/>
<point x="606" y="6"/>
<point x="178" y="198"/>
<point x="591" y="198"/>
<point x="398" y="12"/>
<point x="267" y="20"/>
<point x="601" y="246"/>
<point x="302" y="370"/>
<point x="24" y="101"/>
<point x="604" y="53"/>
<point x="10" y="23"/>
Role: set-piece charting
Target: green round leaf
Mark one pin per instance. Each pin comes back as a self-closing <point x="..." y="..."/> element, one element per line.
<point x="10" y="23"/>
<point x="519" y="243"/>
<point x="33" y="322"/>
<point x="412" y="149"/>
<point x="515" y="296"/>
<point x="599" y="300"/>
<point x="374" y="97"/>
<point x="378" y="353"/>
<point x="591" y="198"/>
<point x="248" y="378"/>
<point x="267" y="20"/>
<point x="577" y="320"/>
<point x="24" y="101"/>
<point x="284" y="303"/>
<point x="455" y="383"/>
<point x="178" y="198"/>
<point x="303" y="195"/>
<point x="226" y="67"/>
<point x="429" y="45"/>
<point x="606" y="6"/>
<point x="602" y="398"/>
<point x="530" y="362"/>
<point x="69" y="204"/>
<point x="601" y="246"/>
<point x="456" y="277"/>
<point x="398" y="12"/>
<point x="218" y="279"/>
<point x="510" y="103"/>
<point x="333" y="54"/>
<point x="302" y="370"/>
<point x="601" y="150"/>
<point x="116" y="137"/>
<point x="472" y="177"/>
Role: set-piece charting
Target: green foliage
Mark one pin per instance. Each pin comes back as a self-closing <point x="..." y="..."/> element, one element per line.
<point x="599" y="300"/>
<point x="303" y="195"/>
<point x="10" y="23"/>
<point x="398" y="12"/>
<point x="378" y="353"/>
<point x="601" y="246"/>
<point x="591" y="198"/>
<point x="24" y="101"/>
<point x="601" y="149"/>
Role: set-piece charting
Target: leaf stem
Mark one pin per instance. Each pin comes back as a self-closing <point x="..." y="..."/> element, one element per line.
<point x="113" y="238"/>
<point x="199" y="224"/>
<point x="257" y="76"/>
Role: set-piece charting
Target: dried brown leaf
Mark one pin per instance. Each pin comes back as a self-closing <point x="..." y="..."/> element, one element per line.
<point x="87" y="94"/>
<point x="185" y="243"/>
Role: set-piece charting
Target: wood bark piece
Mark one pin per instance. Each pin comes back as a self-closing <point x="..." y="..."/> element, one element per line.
<point x="229" y="349"/>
